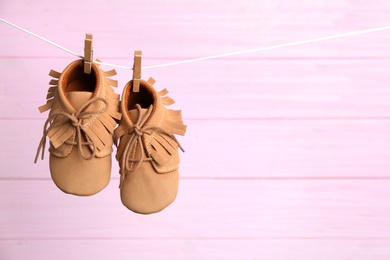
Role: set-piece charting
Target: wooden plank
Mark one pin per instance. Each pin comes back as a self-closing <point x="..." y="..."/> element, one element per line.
<point x="240" y="149"/>
<point x="287" y="150"/>
<point x="193" y="29"/>
<point x="236" y="89"/>
<point x="204" y="209"/>
<point x="196" y="249"/>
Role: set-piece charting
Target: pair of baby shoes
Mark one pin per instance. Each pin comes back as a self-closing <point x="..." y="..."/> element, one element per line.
<point x="87" y="117"/>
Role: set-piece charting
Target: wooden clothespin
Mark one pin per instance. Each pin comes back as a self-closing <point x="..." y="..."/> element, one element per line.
<point x="88" y="53"/>
<point x="137" y="70"/>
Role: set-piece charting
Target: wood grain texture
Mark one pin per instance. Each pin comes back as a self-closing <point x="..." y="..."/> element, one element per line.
<point x="242" y="149"/>
<point x="258" y="89"/>
<point x="204" y="209"/>
<point x="286" y="249"/>
<point x="189" y="29"/>
<point x="260" y="220"/>
<point x="287" y="150"/>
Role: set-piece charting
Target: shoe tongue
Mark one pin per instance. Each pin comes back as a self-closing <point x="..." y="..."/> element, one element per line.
<point x="78" y="98"/>
<point x="134" y="114"/>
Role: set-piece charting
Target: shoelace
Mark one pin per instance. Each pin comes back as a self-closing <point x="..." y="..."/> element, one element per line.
<point x="135" y="143"/>
<point x="76" y="121"/>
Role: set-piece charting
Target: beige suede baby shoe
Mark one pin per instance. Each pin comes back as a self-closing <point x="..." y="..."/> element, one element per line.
<point x="148" y="150"/>
<point x="83" y="113"/>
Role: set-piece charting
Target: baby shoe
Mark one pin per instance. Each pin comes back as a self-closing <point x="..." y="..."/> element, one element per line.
<point x="83" y="114"/>
<point x="148" y="150"/>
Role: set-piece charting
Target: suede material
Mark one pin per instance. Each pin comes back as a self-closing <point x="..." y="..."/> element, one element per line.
<point x="83" y="113"/>
<point x="74" y="175"/>
<point x="146" y="192"/>
<point x="147" y="189"/>
<point x="78" y="98"/>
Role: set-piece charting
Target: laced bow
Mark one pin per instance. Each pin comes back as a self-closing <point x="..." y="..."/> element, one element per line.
<point x="129" y="163"/>
<point x="76" y="120"/>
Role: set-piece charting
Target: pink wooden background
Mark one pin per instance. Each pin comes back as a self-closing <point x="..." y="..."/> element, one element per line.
<point x="287" y="151"/>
